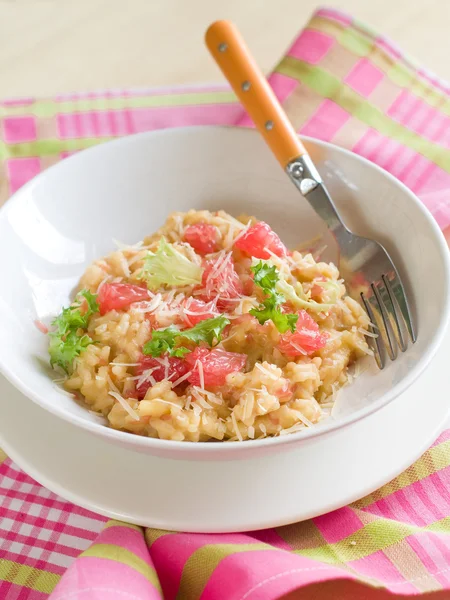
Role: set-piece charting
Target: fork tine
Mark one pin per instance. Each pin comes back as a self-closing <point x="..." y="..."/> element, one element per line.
<point x="390" y="344"/>
<point x="391" y="307"/>
<point x="375" y="343"/>
<point x="398" y="292"/>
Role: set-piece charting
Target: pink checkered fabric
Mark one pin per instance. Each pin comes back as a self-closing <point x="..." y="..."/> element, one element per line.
<point x="338" y="82"/>
<point x="40" y="535"/>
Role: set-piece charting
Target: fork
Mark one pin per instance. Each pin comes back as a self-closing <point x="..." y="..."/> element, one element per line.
<point x="368" y="270"/>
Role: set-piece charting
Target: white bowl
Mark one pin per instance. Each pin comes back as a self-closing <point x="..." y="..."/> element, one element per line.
<point x="57" y="224"/>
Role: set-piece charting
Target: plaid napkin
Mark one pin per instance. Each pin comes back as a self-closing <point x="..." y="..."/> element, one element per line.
<point x="338" y="82"/>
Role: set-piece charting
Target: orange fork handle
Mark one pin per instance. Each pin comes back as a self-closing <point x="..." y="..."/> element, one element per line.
<point x="251" y="87"/>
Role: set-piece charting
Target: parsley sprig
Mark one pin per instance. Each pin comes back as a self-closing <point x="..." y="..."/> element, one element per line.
<point x="266" y="277"/>
<point x="66" y="341"/>
<point x="170" y="340"/>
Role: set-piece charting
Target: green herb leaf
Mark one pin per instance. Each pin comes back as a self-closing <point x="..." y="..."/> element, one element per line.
<point x="162" y="341"/>
<point x="166" y="340"/>
<point x="63" y="350"/>
<point x="75" y="317"/>
<point x="169" y="267"/>
<point x="91" y="299"/>
<point x="266" y="276"/>
<point x="208" y="330"/>
<point x="68" y="320"/>
<point x="65" y="342"/>
<point x="179" y="352"/>
<point x="282" y="321"/>
<point x="272" y="282"/>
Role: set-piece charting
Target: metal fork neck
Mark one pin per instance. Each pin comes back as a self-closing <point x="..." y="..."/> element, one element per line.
<point x="307" y="179"/>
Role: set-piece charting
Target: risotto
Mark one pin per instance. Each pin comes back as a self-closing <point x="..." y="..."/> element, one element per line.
<point x="209" y="329"/>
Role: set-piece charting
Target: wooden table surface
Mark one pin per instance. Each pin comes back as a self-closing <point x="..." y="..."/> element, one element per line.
<point x="51" y="46"/>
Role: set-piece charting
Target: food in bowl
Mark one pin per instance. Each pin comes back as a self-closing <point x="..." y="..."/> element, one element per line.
<point x="209" y="329"/>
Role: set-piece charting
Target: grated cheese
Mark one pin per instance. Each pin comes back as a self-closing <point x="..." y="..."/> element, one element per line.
<point x="193" y="256"/>
<point x="164" y="362"/>
<point x="147" y="376"/>
<point x="201" y="375"/>
<point x="112" y="384"/>
<point x="101" y="328"/>
<point x="248" y="406"/>
<point x="216" y="398"/>
<point x="228" y="220"/>
<point x="63" y="391"/>
<point x="219" y="297"/>
<point x="166" y="402"/>
<point x="178" y="219"/>
<point x="263" y="429"/>
<point x="367" y="333"/>
<point x="291" y="262"/>
<point x="124" y="264"/>
<point x="293" y="429"/>
<point x="170" y="296"/>
<point x="136" y="259"/>
<point x="130" y="247"/>
<point x="146" y="306"/>
<point x="235" y="427"/>
<point x="124" y="364"/>
<point x="302" y="418"/>
<point x="274" y="256"/>
<point x="178" y="299"/>
<point x="240" y="308"/>
<point x="158" y="358"/>
<point x="194" y="313"/>
<point x="263" y="410"/>
<point x="229" y="243"/>
<point x="125" y="405"/>
<point x="218" y="269"/>
<point x="358" y="370"/>
<point x="298" y="348"/>
<point x="202" y="402"/>
<point x="266" y="371"/>
<point x="181" y="379"/>
<point x="334" y="397"/>
<point x="197" y="410"/>
<point x="220" y="257"/>
<point x="102" y="283"/>
<point x="251" y="432"/>
<point x="166" y="367"/>
<point x="366" y="350"/>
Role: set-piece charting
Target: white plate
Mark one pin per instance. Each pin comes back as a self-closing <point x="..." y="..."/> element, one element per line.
<point x="67" y="216"/>
<point x="142" y="489"/>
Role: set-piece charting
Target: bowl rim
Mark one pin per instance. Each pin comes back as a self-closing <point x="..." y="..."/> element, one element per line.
<point x="198" y="448"/>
